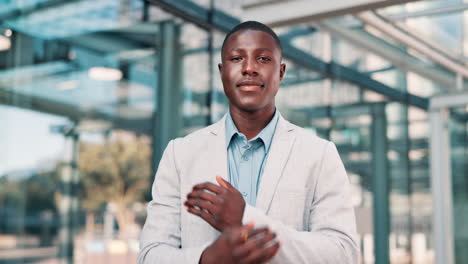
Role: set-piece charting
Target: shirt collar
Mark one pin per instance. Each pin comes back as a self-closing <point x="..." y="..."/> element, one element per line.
<point x="266" y="135"/>
<point x="231" y="129"/>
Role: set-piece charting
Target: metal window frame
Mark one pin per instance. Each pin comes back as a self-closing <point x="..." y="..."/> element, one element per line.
<point x="441" y="174"/>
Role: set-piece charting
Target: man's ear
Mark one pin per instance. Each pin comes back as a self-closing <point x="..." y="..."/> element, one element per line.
<point x="282" y="71"/>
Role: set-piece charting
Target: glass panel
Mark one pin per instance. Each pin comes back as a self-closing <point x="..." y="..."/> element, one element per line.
<point x="446" y="30"/>
<point x="197" y="77"/>
<point x="29" y="180"/>
<point x="78" y="18"/>
<point x="75" y="122"/>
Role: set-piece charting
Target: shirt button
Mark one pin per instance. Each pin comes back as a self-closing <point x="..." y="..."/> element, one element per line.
<point x="244" y="194"/>
<point x="245" y="158"/>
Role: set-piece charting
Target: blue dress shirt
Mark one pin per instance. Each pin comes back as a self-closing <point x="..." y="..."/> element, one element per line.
<point x="246" y="158"/>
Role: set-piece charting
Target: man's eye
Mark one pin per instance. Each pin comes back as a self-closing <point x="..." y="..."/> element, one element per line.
<point x="235" y="59"/>
<point x="263" y="58"/>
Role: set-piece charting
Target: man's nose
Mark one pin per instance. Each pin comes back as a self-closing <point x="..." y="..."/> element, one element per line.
<point x="249" y="67"/>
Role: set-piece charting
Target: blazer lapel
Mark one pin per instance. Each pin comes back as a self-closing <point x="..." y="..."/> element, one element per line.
<point x="280" y="149"/>
<point x="218" y="162"/>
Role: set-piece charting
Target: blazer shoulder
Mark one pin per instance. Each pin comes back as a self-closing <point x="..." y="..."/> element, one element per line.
<point x="199" y="135"/>
<point x="308" y="137"/>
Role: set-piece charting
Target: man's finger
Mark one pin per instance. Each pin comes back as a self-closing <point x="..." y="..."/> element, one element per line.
<point x="270" y="252"/>
<point x="203" y="205"/>
<point x="210" y="187"/>
<point x="262" y="254"/>
<point x="204" y="195"/>
<point x="237" y="235"/>
<point x="224" y="183"/>
<point x="256" y="240"/>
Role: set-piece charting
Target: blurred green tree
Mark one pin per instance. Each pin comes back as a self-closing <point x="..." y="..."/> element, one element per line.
<point x="27" y="194"/>
<point x="116" y="173"/>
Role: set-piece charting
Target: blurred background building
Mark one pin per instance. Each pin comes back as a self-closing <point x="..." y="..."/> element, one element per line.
<point x="92" y="90"/>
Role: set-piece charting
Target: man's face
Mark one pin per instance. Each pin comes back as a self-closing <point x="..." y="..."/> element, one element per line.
<point x="251" y="70"/>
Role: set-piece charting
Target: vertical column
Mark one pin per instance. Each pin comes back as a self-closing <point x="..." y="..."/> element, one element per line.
<point x="22" y="50"/>
<point x="211" y="90"/>
<point x="75" y="179"/>
<point x="68" y="204"/>
<point x="441" y="185"/>
<point x="380" y="184"/>
<point x="167" y="118"/>
<point x="21" y="53"/>
<point x="400" y="173"/>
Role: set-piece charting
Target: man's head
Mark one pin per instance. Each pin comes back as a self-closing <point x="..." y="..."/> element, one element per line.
<point x="252" y="25"/>
<point x="251" y="68"/>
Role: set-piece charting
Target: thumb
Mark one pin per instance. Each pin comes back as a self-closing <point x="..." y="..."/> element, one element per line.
<point x="223" y="182"/>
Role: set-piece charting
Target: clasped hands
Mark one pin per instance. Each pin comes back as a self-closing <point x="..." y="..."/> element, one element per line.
<point x="222" y="206"/>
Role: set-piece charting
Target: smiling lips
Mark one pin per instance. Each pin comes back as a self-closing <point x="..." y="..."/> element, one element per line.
<point x="249" y="86"/>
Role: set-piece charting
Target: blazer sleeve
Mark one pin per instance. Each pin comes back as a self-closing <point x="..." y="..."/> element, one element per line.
<point x="160" y="239"/>
<point x="331" y="235"/>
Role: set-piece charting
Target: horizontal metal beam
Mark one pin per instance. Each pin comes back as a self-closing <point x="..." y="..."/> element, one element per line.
<point x="72" y="112"/>
<point x="107" y="43"/>
<point x="262" y="3"/>
<point x="435" y="11"/>
<point x="335" y="70"/>
<point x="21" y="8"/>
<point x="355" y="77"/>
<point x="299" y="32"/>
<point x="449" y="100"/>
<point x="394" y="55"/>
<point x="25" y="74"/>
<point x="190" y="11"/>
<point x="331" y="111"/>
<point x="294" y="12"/>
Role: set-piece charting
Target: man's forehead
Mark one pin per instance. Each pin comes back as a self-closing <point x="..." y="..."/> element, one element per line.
<point x="242" y="48"/>
<point x="252" y="38"/>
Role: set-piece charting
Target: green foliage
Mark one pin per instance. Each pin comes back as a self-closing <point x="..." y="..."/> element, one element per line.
<point x="34" y="193"/>
<point x="26" y="197"/>
<point x="40" y="190"/>
<point x="117" y="172"/>
<point x="11" y="194"/>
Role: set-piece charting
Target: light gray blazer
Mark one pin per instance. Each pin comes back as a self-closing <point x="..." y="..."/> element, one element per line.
<point x="303" y="196"/>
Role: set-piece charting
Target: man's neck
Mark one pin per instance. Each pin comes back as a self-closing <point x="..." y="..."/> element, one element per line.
<point x="251" y="123"/>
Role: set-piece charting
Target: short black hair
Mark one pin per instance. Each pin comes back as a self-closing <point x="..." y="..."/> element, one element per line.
<point x="252" y="25"/>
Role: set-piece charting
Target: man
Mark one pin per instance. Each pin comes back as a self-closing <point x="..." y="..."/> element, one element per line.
<point x="251" y="188"/>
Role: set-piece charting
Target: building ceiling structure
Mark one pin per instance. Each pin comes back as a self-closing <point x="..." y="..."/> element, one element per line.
<point x="118" y="31"/>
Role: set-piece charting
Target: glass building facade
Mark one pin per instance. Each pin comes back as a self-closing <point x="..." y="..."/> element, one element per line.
<point x="92" y="91"/>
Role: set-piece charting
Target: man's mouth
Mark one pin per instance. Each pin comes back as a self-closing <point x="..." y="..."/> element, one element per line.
<point x="250" y="85"/>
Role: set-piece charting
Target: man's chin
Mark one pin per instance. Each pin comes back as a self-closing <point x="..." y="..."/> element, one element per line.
<point x="249" y="107"/>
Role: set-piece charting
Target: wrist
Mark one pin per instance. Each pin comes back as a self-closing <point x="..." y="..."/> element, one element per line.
<point x="244" y="208"/>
